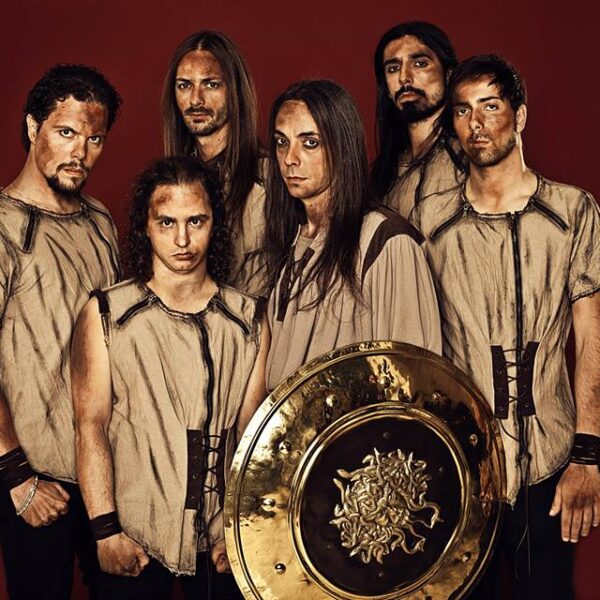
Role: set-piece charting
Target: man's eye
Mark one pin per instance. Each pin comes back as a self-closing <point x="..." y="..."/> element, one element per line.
<point x="421" y="63"/>
<point x="392" y="68"/>
<point x="310" y="143"/>
<point x="491" y="107"/>
<point x="96" y="139"/>
<point x="166" y="222"/>
<point x="213" y="85"/>
<point x="461" y="112"/>
<point x="68" y="133"/>
<point x="280" y="142"/>
<point x="182" y="85"/>
<point x="196" y="221"/>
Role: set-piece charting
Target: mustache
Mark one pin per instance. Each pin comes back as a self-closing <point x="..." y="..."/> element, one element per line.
<point x="73" y="165"/>
<point x="408" y="88"/>
<point x="478" y="137"/>
<point x="193" y="110"/>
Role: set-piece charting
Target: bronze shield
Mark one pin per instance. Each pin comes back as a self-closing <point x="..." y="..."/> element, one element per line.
<point x="375" y="471"/>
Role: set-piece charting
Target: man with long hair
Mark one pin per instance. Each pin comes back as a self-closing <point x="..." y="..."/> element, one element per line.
<point x="415" y="158"/>
<point x="516" y="260"/>
<point x="165" y="367"/>
<point x="342" y="270"/>
<point x="210" y="111"/>
<point x="56" y="245"/>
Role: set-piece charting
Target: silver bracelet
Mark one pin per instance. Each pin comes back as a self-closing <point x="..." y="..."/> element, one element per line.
<point x="30" y="494"/>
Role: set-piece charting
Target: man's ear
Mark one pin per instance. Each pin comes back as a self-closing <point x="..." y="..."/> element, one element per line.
<point x="32" y="128"/>
<point x="521" y="118"/>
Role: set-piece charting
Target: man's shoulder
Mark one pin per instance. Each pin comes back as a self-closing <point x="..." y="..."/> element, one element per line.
<point x="434" y="210"/>
<point x="384" y="223"/>
<point x="243" y="305"/>
<point x="121" y="296"/>
<point x="95" y="206"/>
<point x="562" y="200"/>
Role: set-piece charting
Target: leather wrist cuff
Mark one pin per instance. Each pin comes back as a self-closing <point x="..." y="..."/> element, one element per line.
<point x="15" y="468"/>
<point x="105" y="525"/>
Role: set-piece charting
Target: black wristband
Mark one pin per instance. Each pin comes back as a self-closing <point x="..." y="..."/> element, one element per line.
<point x="586" y="449"/>
<point x="104" y="526"/>
<point x="15" y="468"/>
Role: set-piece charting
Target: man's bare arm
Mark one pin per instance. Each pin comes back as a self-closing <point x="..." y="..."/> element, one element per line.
<point x="256" y="391"/>
<point x="50" y="499"/>
<point x="92" y="401"/>
<point x="577" y="495"/>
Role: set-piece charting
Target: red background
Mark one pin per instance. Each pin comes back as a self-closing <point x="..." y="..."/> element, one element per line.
<point x="554" y="46"/>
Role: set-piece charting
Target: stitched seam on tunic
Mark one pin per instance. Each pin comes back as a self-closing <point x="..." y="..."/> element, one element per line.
<point x="30" y="229"/>
<point x="132" y="310"/>
<point x="229" y="314"/>
<point x="548" y="212"/>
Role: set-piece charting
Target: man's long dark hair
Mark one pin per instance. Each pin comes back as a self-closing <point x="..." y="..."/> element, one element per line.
<point x="343" y="138"/>
<point x="175" y="171"/>
<point x="240" y="163"/>
<point x="390" y="128"/>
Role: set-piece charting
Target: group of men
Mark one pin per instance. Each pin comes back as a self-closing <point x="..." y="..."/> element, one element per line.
<point x="119" y="412"/>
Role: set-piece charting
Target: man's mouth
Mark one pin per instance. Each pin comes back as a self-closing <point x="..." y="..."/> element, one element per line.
<point x="407" y="91"/>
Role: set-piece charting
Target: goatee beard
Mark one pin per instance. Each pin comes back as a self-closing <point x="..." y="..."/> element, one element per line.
<point x="56" y="186"/>
<point x="413" y="113"/>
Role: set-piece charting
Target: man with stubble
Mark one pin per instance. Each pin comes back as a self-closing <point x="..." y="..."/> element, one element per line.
<point x="415" y="156"/>
<point x="210" y="112"/>
<point x="56" y="245"/>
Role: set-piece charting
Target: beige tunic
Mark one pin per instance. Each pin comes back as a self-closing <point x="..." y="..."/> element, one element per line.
<point x="439" y="170"/>
<point x="399" y="300"/>
<point x="505" y="285"/>
<point x="178" y="381"/>
<point x="49" y="263"/>
<point x="248" y="272"/>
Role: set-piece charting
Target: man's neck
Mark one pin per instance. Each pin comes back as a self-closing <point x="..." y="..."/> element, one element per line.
<point x="420" y="134"/>
<point x="209" y="146"/>
<point x="30" y="186"/>
<point x="317" y="214"/>
<point x="187" y="292"/>
<point x="505" y="187"/>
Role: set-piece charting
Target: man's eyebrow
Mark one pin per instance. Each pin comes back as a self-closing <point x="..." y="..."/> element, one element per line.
<point x="421" y="54"/>
<point x="391" y="61"/>
<point x="488" y="98"/>
<point x="309" y="134"/>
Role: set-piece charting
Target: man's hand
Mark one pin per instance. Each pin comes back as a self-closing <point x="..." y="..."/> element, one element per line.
<point x="577" y="498"/>
<point x="49" y="502"/>
<point x="219" y="557"/>
<point x="120" y="555"/>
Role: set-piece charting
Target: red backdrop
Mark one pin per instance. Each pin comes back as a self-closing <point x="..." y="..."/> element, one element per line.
<point x="131" y="41"/>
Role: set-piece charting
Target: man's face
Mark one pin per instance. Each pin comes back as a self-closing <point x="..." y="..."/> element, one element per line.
<point x="179" y="226"/>
<point x="300" y="152"/>
<point x="415" y="78"/>
<point x="485" y="123"/>
<point x="201" y="93"/>
<point x="66" y="146"/>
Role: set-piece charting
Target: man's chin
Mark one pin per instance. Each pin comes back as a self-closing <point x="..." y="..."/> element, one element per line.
<point x="68" y="189"/>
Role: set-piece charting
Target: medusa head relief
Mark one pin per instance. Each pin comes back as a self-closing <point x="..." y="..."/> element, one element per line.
<point x="382" y="503"/>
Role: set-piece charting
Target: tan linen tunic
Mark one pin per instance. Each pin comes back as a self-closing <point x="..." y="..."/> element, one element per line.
<point x="248" y="272"/>
<point x="399" y="300"/>
<point x="438" y="170"/>
<point x="178" y="381"/>
<point x="49" y="263"/>
<point x="505" y="284"/>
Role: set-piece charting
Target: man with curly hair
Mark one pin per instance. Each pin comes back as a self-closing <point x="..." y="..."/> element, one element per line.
<point x="56" y="246"/>
<point x="167" y="368"/>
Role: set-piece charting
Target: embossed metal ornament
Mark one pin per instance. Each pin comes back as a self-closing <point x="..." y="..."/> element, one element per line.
<point x="374" y="472"/>
<point x="380" y="505"/>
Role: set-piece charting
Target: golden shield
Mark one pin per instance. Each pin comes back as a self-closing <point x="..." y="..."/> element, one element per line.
<point x="373" y="472"/>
